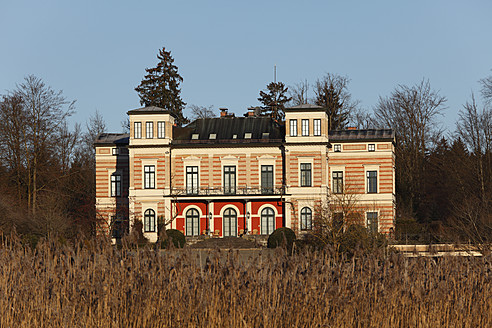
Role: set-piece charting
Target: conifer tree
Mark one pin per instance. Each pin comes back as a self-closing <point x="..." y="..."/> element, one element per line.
<point x="160" y="86"/>
<point x="274" y="99"/>
<point x="332" y="93"/>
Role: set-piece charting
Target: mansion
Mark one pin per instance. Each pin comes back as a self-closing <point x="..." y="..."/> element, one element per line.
<point x="230" y="176"/>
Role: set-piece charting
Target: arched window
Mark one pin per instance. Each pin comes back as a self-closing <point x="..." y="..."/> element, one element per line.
<point x="192" y="222"/>
<point x="306" y="218"/>
<point x="149" y="221"/>
<point x="230" y="223"/>
<point x="267" y="221"/>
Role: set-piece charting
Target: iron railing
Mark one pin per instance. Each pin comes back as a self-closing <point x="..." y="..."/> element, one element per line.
<point x="226" y="191"/>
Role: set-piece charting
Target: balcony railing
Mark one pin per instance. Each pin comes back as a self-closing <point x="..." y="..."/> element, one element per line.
<point x="221" y="191"/>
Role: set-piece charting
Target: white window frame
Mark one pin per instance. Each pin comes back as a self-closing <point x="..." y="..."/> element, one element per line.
<point x="367" y="220"/>
<point x="161" y="130"/>
<point x="266" y="226"/>
<point x="310" y="182"/>
<point x="192" y="180"/>
<point x="116" y="185"/>
<point x="333" y="181"/>
<point x="317" y="127"/>
<point x="308" y="225"/>
<point x="193" y="228"/>
<point x="137" y="130"/>
<point x="293" y="127"/>
<point x="149" y="130"/>
<point x="149" y="176"/>
<point x="305" y="127"/>
<point x="337" y="148"/>
<point x="232" y="189"/>
<point x="371" y="147"/>
<point x="367" y="181"/>
<point x="149" y="226"/>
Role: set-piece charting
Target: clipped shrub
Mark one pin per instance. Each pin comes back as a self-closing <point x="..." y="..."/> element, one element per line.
<point x="173" y="236"/>
<point x="283" y="237"/>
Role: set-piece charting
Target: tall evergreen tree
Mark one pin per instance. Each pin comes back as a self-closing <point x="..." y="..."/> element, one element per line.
<point x="160" y="87"/>
<point x="332" y="93"/>
<point x="274" y="99"/>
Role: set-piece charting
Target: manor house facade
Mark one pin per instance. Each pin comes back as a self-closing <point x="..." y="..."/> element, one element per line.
<point x="230" y="175"/>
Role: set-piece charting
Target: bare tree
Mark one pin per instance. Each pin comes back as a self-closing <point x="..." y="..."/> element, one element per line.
<point x="12" y="154"/>
<point x="411" y="112"/>
<point x="487" y="89"/>
<point x="299" y="93"/>
<point x="475" y="129"/>
<point x="45" y="112"/>
<point x="361" y="119"/>
<point x="201" y="112"/>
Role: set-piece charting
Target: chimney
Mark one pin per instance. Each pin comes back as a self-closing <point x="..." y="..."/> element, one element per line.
<point x="223" y="112"/>
<point x="253" y="112"/>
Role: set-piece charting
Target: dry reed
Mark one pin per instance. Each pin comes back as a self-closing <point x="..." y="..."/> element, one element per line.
<point x="95" y="285"/>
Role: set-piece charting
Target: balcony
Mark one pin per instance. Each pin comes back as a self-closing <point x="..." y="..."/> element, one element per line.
<point x="227" y="191"/>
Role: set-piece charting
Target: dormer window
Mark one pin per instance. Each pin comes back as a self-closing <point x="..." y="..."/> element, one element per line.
<point x="212" y="136"/>
<point x="247" y="135"/>
<point x="194" y="136"/>
<point x="234" y="136"/>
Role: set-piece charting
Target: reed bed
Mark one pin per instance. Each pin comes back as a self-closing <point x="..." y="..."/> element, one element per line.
<point x="92" y="284"/>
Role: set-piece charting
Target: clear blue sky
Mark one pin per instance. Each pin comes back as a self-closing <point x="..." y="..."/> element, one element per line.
<point x="96" y="51"/>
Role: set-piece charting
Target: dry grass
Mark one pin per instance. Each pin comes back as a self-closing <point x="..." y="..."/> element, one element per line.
<point x="94" y="285"/>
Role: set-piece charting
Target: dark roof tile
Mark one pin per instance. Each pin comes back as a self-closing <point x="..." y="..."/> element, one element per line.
<point x="365" y="134"/>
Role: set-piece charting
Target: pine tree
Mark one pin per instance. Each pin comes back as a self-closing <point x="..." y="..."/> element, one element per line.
<point x="327" y="96"/>
<point x="160" y="87"/>
<point x="274" y="100"/>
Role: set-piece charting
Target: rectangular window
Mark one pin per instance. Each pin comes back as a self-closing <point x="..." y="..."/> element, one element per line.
<point x="372" y="221"/>
<point x="116" y="151"/>
<point x="305" y="127"/>
<point x="149" y="130"/>
<point x="229" y="179"/>
<point x="317" y="127"/>
<point x="192" y="180"/>
<point x="161" y="130"/>
<point x="137" y="130"/>
<point x="149" y="176"/>
<point x="372" y="182"/>
<point x="371" y="147"/>
<point x="267" y="179"/>
<point x="305" y="174"/>
<point x="293" y="128"/>
<point x="115" y="185"/>
<point x="337" y="177"/>
<point x="337" y="148"/>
